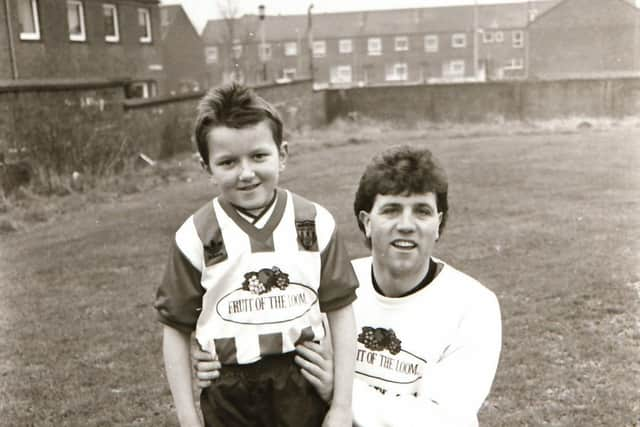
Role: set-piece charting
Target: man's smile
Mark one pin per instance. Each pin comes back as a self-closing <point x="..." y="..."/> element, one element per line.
<point x="403" y="244"/>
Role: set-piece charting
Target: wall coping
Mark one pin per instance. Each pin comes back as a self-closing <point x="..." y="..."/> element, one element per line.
<point x="25" y="85"/>
<point x="133" y="103"/>
<point x="291" y="83"/>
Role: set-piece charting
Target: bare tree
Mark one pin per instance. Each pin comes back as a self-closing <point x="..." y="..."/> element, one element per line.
<point x="229" y="12"/>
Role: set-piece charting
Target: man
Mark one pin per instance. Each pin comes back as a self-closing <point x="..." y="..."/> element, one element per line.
<point x="429" y="335"/>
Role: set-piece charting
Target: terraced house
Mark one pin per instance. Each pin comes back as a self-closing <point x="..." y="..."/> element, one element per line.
<point x="403" y="46"/>
<point x="81" y="41"/>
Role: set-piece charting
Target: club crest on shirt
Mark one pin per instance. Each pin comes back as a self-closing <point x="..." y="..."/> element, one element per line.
<point x="381" y="358"/>
<point x="307" y="238"/>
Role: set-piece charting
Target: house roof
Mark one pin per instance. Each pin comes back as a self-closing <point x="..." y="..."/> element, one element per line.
<point x="632" y="3"/>
<point x="173" y="12"/>
<point x="379" y="22"/>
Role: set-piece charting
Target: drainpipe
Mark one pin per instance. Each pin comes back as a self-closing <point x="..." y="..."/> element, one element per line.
<point x="12" y="50"/>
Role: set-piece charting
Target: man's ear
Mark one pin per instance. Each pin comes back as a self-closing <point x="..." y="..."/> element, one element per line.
<point x="365" y="219"/>
<point x="283" y="154"/>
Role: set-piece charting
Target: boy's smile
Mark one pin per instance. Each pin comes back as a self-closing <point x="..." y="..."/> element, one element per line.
<point x="246" y="163"/>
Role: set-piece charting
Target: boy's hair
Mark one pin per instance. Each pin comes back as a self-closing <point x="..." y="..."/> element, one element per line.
<point x="234" y="106"/>
<point x="402" y="170"/>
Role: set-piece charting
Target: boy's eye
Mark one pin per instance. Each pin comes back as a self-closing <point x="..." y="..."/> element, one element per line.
<point x="224" y="163"/>
<point x="260" y="156"/>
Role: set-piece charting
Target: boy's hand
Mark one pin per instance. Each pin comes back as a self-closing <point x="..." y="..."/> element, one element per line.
<point x="206" y="366"/>
<point x="338" y="416"/>
<point x="316" y="365"/>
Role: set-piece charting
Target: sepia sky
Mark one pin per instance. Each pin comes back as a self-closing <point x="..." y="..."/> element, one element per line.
<point x="200" y="11"/>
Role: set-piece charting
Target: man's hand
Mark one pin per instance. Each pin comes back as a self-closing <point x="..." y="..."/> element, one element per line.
<point x="206" y="366"/>
<point x="316" y="365"/>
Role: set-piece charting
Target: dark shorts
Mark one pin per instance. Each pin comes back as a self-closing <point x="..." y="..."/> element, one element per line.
<point x="269" y="393"/>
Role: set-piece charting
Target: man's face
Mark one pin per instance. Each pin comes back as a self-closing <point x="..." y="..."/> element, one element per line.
<point x="246" y="164"/>
<point x="403" y="231"/>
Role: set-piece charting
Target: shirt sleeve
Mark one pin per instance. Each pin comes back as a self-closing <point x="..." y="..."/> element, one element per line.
<point x="338" y="282"/>
<point x="453" y="389"/>
<point x="179" y="297"/>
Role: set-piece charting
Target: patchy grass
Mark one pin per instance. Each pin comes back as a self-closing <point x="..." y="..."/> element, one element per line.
<point x="547" y="219"/>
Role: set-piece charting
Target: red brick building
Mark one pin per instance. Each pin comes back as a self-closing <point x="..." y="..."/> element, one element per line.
<point x="404" y="46"/>
<point x="82" y="40"/>
<point x="586" y="38"/>
<point x="183" y="52"/>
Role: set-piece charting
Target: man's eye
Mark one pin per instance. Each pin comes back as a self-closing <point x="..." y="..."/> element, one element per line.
<point x="388" y="211"/>
<point x="424" y="212"/>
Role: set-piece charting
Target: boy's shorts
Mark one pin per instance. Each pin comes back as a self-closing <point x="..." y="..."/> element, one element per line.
<point x="268" y="393"/>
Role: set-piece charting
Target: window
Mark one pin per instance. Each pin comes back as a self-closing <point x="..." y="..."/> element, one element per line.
<point x="144" y="23"/>
<point x="401" y="43"/>
<point x="345" y="46"/>
<point x="453" y="68"/>
<point x="211" y="54"/>
<point x="290" y="49"/>
<point x="237" y="50"/>
<point x="111" y="30"/>
<point x="264" y="51"/>
<point x="514" y="64"/>
<point x="431" y="43"/>
<point x="340" y="74"/>
<point x="459" y="40"/>
<point x="75" y="19"/>
<point x="142" y="89"/>
<point x="374" y="46"/>
<point x="289" y="73"/>
<point x="319" y="48"/>
<point x="498" y="36"/>
<point x="518" y="39"/>
<point x="487" y="36"/>
<point x="396" y="72"/>
<point x="28" y="20"/>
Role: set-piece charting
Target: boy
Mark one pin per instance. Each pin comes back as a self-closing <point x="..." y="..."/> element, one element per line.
<point x="249" y="272"/>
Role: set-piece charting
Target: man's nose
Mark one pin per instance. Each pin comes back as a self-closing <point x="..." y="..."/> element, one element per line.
<point x="406" y="222"/>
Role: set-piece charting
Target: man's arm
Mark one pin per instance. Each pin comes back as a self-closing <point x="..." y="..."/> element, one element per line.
<point x="343" y="336"/>
<point x="175" y="347"/>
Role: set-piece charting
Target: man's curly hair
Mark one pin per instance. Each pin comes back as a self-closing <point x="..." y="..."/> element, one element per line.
<point x="402" y="170"/>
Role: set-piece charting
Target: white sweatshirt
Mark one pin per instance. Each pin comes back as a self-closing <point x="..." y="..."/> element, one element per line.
<point x="427" y="359"/>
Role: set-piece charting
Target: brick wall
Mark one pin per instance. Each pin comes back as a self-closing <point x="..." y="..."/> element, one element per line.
<point x="162" y="126"/>
<point x="55" y="56"/>
<point x="479" y="101"/>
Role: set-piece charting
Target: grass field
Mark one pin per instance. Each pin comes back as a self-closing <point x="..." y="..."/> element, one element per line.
<point x="548" y="220"/>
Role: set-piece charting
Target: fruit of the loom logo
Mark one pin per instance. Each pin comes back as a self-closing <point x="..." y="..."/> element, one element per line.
<point x="264" y="280"/>
<point x="378" y="339"/>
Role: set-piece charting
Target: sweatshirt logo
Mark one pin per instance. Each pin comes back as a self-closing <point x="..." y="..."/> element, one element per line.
<point x="266" y="296"/>
<point x="381" y="357"/>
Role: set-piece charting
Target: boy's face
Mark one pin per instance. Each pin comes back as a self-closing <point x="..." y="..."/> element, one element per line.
<point x="246" y="164"/>
<point x="403" y="231"/>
